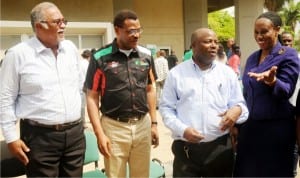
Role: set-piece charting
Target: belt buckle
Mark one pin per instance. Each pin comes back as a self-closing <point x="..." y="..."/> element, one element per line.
<point x="58" y="127"/>
<point x="133" y="120"/>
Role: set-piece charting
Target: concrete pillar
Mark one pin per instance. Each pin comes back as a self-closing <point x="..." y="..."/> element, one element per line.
<point x="194" y="16"/>
<point x="246" y="13"/>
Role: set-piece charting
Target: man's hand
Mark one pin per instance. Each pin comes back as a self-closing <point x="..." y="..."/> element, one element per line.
<point x="19" y="149"/>
<point x="154" y="136"/>
<point x="230" y="117"/>
<point x="104" y="146"/>
<point x="192" y="135"/>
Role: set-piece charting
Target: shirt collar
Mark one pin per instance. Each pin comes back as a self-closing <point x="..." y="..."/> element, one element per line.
<point x="39" y="46"/>
<point x="115" y="48"/>
<point x="213" y="64"/>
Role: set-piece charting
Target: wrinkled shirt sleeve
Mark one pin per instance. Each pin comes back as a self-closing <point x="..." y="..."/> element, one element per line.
<point x="167" y="107"/>
<point x="9" y="88"/>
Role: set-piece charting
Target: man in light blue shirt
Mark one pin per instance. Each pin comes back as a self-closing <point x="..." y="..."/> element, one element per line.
<point x="200" y="103"/>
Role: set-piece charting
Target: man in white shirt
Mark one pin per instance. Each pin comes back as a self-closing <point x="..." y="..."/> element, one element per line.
<point x="40" y="84"/>
<point x="200" y="103"/>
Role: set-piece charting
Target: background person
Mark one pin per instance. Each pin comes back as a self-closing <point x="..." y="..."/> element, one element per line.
<point x="229" y="44"/>
<point x="235" y="59"/>
<point x="287" y="39"/>
<point x="188" y="54"/>
<point x="266" y="141"/>
<point x="221" y="55"/>
<point x="122" y="73"/>
<point x="43" y="89"/>
<point x="162" y="69"/>
<point x="172" y="60"/>
<point x="200" y="117"/>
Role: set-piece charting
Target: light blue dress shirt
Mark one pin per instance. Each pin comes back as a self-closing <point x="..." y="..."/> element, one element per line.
<point x="195" y="98"/>
<point x="38" y="86"/>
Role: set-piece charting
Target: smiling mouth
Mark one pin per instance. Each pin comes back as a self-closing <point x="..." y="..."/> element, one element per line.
<point x="260" y="42"/>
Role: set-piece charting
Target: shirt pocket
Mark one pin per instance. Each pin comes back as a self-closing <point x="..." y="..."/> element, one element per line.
<point x="217" y="94"/>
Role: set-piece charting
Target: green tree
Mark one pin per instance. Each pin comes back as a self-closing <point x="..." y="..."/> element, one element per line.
<point x="223" y="24"/>
<point x="290" y="15"/>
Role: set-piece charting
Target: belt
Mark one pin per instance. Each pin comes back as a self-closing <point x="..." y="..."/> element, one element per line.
<point x="129" y="119"/>
<point x="56" y="127"/>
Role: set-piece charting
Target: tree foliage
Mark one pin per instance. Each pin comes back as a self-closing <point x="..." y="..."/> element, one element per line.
<point x="290" y="15"/>
<point x="223" y="24"/>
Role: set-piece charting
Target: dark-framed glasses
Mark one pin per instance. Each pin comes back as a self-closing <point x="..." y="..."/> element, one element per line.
<point x="57" y="22"/>
<point x="134" y="31"/>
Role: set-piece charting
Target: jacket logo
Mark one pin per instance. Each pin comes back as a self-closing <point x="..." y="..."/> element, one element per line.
<point x="113" y="64"/>
<point x="140" y="62"/>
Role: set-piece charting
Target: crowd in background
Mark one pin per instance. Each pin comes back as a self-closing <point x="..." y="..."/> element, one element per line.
<point x="218" y="129"/>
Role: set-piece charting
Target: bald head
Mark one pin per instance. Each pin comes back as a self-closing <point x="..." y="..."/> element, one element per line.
<point x="200" y="33"/>
<point x="204" y="44"/>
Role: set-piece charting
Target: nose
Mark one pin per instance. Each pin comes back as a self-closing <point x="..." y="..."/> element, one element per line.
<point x="214" y="44"/>
<point x="62" y="25"/>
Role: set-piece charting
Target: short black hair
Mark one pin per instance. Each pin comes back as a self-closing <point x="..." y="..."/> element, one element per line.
<point x="122" y="15"/>
<point x="273" y="17"/>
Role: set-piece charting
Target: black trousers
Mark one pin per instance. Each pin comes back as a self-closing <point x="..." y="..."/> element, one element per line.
<point x="209" y="159"/>
<point x="54" y="153"/>
<point x="266" y="148"/>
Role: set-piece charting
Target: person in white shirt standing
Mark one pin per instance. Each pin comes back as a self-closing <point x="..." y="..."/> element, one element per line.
<point x="201" y="101"/>
<point x="41" y="85"/>
<point x="162" y="69"/>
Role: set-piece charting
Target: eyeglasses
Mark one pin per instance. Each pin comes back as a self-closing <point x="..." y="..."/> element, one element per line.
<point x="132" y="32"/>
<point x="57" y="22"/>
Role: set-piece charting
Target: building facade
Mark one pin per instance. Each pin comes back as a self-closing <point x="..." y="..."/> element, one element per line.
<point x="167" y="24"/>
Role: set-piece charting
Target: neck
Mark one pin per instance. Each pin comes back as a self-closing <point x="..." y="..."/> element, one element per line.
<point x="203" y="66"/>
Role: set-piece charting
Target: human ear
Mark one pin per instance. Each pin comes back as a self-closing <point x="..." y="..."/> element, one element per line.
<point x="43" y="25"/>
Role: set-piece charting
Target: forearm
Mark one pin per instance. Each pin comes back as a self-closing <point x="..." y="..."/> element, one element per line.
<point x="151" y="99"/>
<point x="92" y="101"/>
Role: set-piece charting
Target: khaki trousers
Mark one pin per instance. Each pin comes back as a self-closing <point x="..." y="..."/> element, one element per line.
<point x="131" y="144"/>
